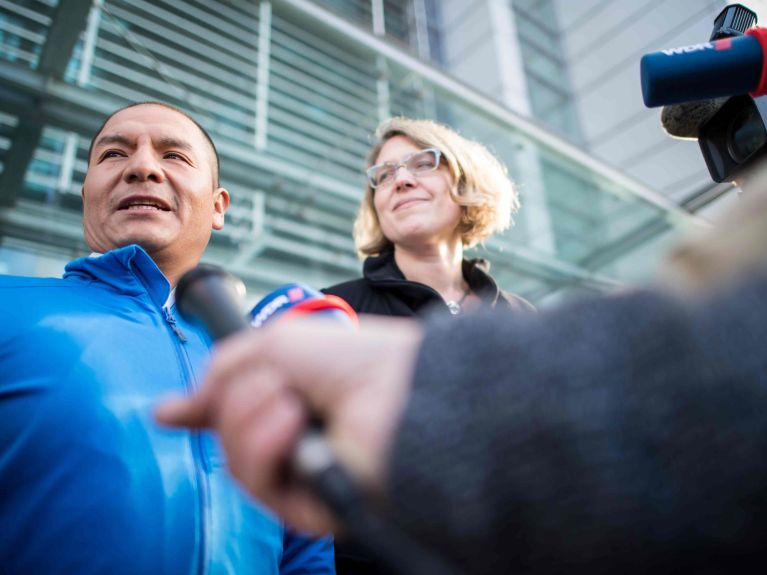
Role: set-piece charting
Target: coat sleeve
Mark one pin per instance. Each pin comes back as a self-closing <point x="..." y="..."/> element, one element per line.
<point x="304" y="555"/>
<point x="623" y="434"/>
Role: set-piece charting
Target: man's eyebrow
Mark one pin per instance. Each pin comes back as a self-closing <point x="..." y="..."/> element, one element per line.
<point x="164" y="143"/>
<point x="168" y="142"/>
<point x="113" y="139"/>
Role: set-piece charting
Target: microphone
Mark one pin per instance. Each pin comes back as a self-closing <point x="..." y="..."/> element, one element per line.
<point x="725" y="67"/>
<point x="295" y="299"/>
<point x="684" y="120"/>
<point x="210" y="296"/>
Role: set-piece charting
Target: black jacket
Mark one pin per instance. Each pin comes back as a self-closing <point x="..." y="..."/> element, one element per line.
<point x="383" y="290"/>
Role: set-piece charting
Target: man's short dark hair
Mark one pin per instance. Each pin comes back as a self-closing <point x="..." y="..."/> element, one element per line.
<point x="204" y="132"/>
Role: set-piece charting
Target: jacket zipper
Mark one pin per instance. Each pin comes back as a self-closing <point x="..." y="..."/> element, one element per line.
<point x="174" y="326"/>
<point x="203" y="487"/>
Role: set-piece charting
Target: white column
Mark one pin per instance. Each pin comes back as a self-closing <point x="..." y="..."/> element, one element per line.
<point x="481" y="48"/>
<point x="262" y="75"/>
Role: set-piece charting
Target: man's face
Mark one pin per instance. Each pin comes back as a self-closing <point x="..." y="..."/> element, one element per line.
<point x="151" y="181"/>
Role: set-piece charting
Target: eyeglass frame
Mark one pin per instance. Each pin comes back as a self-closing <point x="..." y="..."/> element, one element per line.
<point x="403" y="164"/>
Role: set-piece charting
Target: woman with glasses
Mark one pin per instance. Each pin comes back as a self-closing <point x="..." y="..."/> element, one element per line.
<point x="431" y="193"/>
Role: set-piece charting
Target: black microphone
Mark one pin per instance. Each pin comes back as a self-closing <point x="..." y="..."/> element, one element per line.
<point x="210" y="296"/>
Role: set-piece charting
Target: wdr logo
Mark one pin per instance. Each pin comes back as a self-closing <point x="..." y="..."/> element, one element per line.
<point x="689" y="49"/>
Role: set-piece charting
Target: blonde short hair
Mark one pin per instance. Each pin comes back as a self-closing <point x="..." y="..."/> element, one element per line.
<point x="481" y="184"/>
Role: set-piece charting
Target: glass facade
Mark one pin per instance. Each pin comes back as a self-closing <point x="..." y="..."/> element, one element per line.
<point x="290" y="91"/>
<point x="545" y="69"/>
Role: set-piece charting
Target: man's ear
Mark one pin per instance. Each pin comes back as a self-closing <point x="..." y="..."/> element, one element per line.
<point x="220" y="205"/>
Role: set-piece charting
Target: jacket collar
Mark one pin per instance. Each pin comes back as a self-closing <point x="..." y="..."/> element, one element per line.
<point x="382" y="269"/>
<point x="129" y="271"/>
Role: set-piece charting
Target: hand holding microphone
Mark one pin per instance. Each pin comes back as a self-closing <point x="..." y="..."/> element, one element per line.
<point x="265" y="386"/>
<point x="212" y="297"/>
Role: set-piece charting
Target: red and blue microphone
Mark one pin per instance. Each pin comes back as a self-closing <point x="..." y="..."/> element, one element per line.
<point x="725" y="67"/>
<point x="297" y="299"/>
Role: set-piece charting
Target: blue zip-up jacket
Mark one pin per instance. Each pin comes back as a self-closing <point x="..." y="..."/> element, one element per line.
<point x="88" y="482"/>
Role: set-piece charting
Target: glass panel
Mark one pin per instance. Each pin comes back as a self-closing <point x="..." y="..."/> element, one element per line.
<point x="547" y="76"/>
<point x="23" y="28"/>
<point x="359" y="11"/>
<point x="200" y="56"/>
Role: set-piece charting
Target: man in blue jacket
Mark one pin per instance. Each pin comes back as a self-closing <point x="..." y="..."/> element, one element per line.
<point x="89" y="483"/>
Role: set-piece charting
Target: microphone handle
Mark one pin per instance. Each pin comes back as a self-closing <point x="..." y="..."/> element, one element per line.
<point x="399" y="554"/>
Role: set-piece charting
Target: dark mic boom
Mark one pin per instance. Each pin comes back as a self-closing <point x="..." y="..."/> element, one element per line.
<point x="725" y="67"/>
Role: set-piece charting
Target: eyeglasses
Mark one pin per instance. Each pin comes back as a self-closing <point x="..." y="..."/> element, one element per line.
<point x="416" y="163"/>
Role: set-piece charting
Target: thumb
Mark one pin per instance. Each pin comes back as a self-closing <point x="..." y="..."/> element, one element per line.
<point x="191" y="412"/>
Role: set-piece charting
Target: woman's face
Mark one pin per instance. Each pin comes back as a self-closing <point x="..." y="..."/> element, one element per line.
<point x="414" y="210"/>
